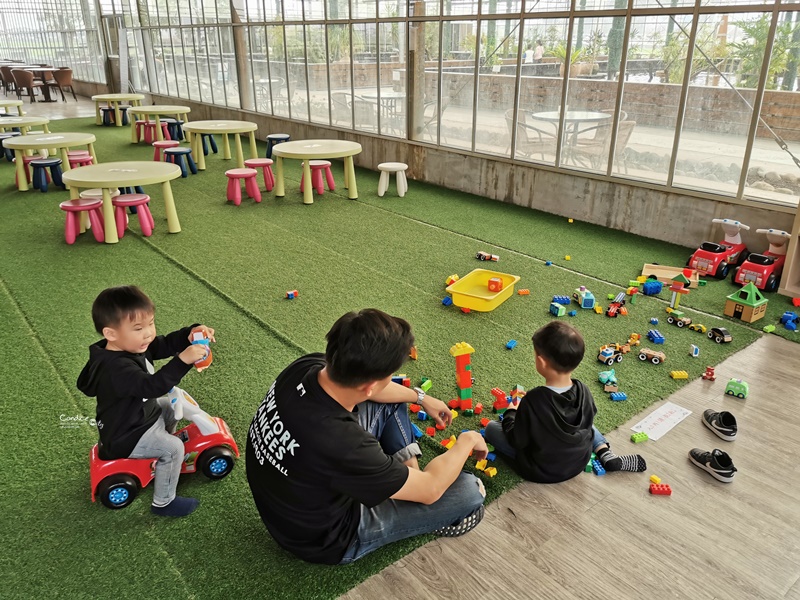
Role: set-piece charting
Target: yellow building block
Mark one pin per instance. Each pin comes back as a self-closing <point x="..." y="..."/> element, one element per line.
<point x="679" y="374"/>
<point x="461" y="348"/>
<point x="655" y="479"/>
<point x="641" y="279"/>
<point x="481" y="465"/>
<point x="449" y="444"/>
<point x="570" y="221"/>
<point x="491" y="471"/>
<point x="598" y="309"/>
<point x="567" y="257"/>
<point x="453" y="412"/>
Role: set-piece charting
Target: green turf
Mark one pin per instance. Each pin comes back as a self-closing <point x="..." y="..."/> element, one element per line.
<point x="230" y="268"/>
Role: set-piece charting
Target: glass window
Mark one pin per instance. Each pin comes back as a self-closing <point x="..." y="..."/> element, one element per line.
<point x="340" y="67"/>
<point x="391" y="97"/>
<point x="279" y="91"/>
<point x="365" y="77"/>
<point x="338" y="9"/>
<point x="296" y="88"/>
<point x="317" y="58"/>
<point x="459" y="46"/>
<point x="424" y="64"/>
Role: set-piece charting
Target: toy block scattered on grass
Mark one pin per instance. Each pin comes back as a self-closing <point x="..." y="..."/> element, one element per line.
<point x="426" y="385"/>
<point x="598" y="309"/>
<point x="417" y="431"/>
<point x="465" y="394"/>
<point x="481" y="465"/>
<point x="548" y="263"/>
<point x="454" y="403"/>
<point x="567" y="257"/>
<point x="639" y="437"/>
<point x="466" y="310"/>
<point x="440" y="427"/>
<point x="573" y="313"/>
<point x="407" y="381"/>
<point x="511" y="344"/>
<point x="460" y="349"/>
<point x="655" y="479"/>
<point x="768" y="328"/>
<point x="478" y="408"/>
<point x="660" y="489"/>
<point x="485" y="422"/>
<point x="679" y="374"/>
<point x="453" y="413"/>
<point x="447" y="301"/>
<point x="292" y="294"/>
<point x="610" y="296"/>
<point x="524" y="292"/>
<point x="430" y="431"/>
<point x="498" y="394"/>
<point x="465" y="404"/>
<point x="557" y="309"/>
<point x="491" y="456"/>
<point x="618" y="396"/>
<point x="491" y="471"/>
<point x="422" y="415"/>
<point x="597" y="467"/>
<point x="413" y="354"/>
<point x="795" y="301"/>
<point x="444" y="442"/>
<point x="610" y="387"/>
<point x="451" y="280"/>
<point x="415" y="408"/>
<point x="398" y="378"/>
<point x="565" y="300"/>
<point x="653" y="321"/>
<point x="468" y="412"/>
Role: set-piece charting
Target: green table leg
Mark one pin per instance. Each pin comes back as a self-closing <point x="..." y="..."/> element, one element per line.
<point x="308" y="186"/>
<point x="22" y="181"/>
<point x="239" y="153"/>
<point x="97" y="118"/>
<point x="110" y="224"/>
<point x="253" y="147"/>
<point x="196" y="145"/>
<point x="134" y="137"/>
<point x="226" y="147"/>
<point x="350" y="170"/>
<point x="117" y="118"/>
<point x="173" y="224"/>
<point x="279" y="190"/>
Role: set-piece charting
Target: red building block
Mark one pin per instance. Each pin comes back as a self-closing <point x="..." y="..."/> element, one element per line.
<point x="454" y="403"/>
<point x="407" y="382"/>
<point x="465" y="310"/>
<point x="430" y="431"/>
<point x="415" y="408"/>
<point x="478" y="408"/>
<point x="660" y="489"/>
<point x="466" y="404"/>
<point x="485" y="421"/>
<point x="462" y="360"/>
<point x="464" y="380"/>
<point x="795" y="301"/>
<point x="498" y="394"/>
<point x="439" y="427"/>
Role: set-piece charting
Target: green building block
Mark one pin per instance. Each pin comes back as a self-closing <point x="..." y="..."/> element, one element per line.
<point x="634" y="283"/>
<point x="490" y="447"/>
<point x="633" y="299"/>
<point x="588" y="467"/>
<point x="639" y="437"/>
<point x="465" y="394"/>
<point x="769" y="328"/>
<point x="612" y="296"/>
<point x="468" y="367"/>
<point x="426" y="384"/>
<point x="468" y="412"/>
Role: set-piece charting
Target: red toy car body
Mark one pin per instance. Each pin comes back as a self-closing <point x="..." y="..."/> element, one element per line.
<point x="117" y="482"/>
<point x="714" y="260"/>
<point x="764" y="270"/>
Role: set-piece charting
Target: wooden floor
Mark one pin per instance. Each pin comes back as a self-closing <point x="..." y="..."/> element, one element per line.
<point x="608" y="538"/>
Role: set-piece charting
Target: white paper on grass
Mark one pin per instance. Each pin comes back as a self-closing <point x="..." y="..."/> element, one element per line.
<point x="661" y="420"/>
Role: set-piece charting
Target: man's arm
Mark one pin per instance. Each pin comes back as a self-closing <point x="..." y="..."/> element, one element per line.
<point x="428" y="486"/>
<point x="394" y="393"/>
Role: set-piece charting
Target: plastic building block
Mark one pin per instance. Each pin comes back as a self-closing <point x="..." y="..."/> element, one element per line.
<point x="465" y="394"/>
<point x="639" y="437"/>
<point x="517" y="391"/>
<point x="795" y="301"/>
<point x="491" y="471"/>
<point x="422" y="415"/>
<point x="573" y="313"/>
<point x="440" y="427"/>
<point x="426" y="385"/>
<point x="468" y="412"/>
<point x="511" y="344"/>
<point x="447" y="301"/>
<point x="406" y="382"/>
<point x="679" y="374"/>
<point x="655" y="336"/>
<point x="453" y="413"/>
<point x="653" y="321"/>
<point x="498" y="394"/>
<point x="444" y="442"/>
<point x="570" y="221"/>
<point x="709" y="374"/>
<point x="694" y="351"/>
<point x="791" y="326"/>
<point x="413" y="353"/>
<point x="398" y="378"/>
<point x="292" y="294"/>
<point x="465" y="404"/>
<point x="415" y="408"/>
<point x="491" y="456"/>
<point x="557" y="309"/>
<point x="632" y="290"/>
<point x="451" y="280"/>
<point x="788" y="316"/>
<point x="523" y="292"/>
<point x="610" y="296"/>
<point x="461" y="348"/>
<point x="430" y="431"/>
<point x="567" y="257"/>
<point x="660" y="489"/>
<point x="565" y="300"/>
<point x="598" y="309"/>
<point x="655" y="479"/>
<point x="466" y="310"/>
<point x="487" y="256"/>
<point x="548" y="263"/>
<point x="610" y="387"/>
<point x="417" y="431"/>
<point x="597" y="467"/>
<point x="485" y="421"/>
<point x="495" y="284"/>
<point x="768" y="328"/>
<point x="481" y="465"/>
<point x="619" y="396"/>
<point x="588" y="467"/>
<point x="478" y="408"/>
<point x="483" y="432"/>
<point x="651" y="288"/>
<point x="454" y="403"/>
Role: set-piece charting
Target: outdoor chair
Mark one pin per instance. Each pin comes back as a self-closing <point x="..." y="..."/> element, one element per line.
<point x="23" y="80"/>
<point x="530" y="140"/>
<point x="342" y="108"/>
<point x="596" y="154"/>
<point x="7" y="79"/>
<point x="63" y="79"/>
<point x="365" y="114"/>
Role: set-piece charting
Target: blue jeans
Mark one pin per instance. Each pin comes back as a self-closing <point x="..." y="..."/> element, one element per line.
<point x="496" y="437"/>
<point x="393" y="520"/>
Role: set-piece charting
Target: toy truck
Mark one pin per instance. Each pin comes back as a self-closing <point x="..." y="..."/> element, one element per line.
<point x="486" y="256"/>
<point x="609" y="355"/>
<point x="764" y="270"/>
<point x="714" y="259"/>
<point x="676" y="317"/>
<point x="654" y="356"/>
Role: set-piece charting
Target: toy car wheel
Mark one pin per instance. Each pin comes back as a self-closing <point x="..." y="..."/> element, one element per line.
<point x="217" y="463"/>
<point x="655" y="360"/>
<point x="734" y="273"/>
<point x="722" y="270"/>
<point x="610" y="362"/>
<point x="619" y="358"/>
<point x="772" y="283"/>
<point x="118" y="491"/>
<point x="689" y="261"/>
<point x="670" y="319"/>
<point x="642" y="356"/>
<point x="729" y="392"/>
<point x="680" y="324"/>
<point x="740" y="395"/>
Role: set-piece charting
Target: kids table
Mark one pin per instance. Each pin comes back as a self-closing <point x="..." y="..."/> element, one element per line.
<point x="7" y="104"/>
<point x="307" y="150"/>
<point x="179" y="112"/>
<point x="110" y="176"/>
<point x="24" y="123"/>
<point x="197" y="128"/>
<point x="57" y="141"/>
<point x="114" y="100"/>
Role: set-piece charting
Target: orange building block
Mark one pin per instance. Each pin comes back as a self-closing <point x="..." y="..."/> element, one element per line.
<point x="415" y="408"/>
<point x="524" y="292"/>
<point x="495" y="284"/>
<point x="485" y="422"/>
<point x="478" y="408"/>
<point x="430" y="431"/>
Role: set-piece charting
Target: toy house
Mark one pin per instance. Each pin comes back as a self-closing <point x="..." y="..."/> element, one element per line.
<point x="747" y="304"/>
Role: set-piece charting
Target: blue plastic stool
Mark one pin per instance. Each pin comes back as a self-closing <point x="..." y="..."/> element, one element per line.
<point x="108" y="115"/>
<point x="123" y="113"/>
<point x="273" y="139"/>
<point x="208" y="138"/>
<point x="175" y="155"/>
<point x="174" y="126"/>
<point x="8" y="152"/>
<point x="39" y="177"/>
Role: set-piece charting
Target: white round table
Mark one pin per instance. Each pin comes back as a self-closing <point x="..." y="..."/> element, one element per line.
<point x="181" y="113"/>
<point x="6" y="104"/>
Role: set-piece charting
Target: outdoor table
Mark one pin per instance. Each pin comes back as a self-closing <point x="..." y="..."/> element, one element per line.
<point x="573" y="119"/>
<point x="114" y="100"/>
<point x="110" y="176"/>
<point x="389" y="99"/>
<point x="196" y="128"/>
<point x="56" y="141"/>
<point x="7" y="104"/>
<point x="157" y="110"/>
<point x="307" y="150"/>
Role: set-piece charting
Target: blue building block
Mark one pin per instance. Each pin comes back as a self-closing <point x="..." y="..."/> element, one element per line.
<point x="654" y="335"/>
<point x="447" y="301"/>
<point x="547" y="263"/>
<point x="788" y="317"/>
<point x="398" y="379"/>
<point x="791" y="325"/>
<point x="651" y="287"/>
<point x="619" y="396"/>
<point x="511" y="344"/>
<point x="422" y="415"/>
<point x="483" y="432"/>
<point x="597" y="467"/>
<point x="557" y="309"/>
<point x="563" y="300"/>
<point x="417" y="431"/>
<point x="572" y="313"/>
<point x="653" y="321"/>
<point x="491" y="456"/>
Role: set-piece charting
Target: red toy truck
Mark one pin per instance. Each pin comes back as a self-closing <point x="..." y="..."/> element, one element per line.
<point x="715" y="259"/>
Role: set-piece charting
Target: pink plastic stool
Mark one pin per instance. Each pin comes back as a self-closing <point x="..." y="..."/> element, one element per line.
<point x="250" y="185"/>
<point x="150" y="131"/>
<point x="140" y="201"/>
<point x="157" y="146"/>
<point x="317" y="167"/>
<point x="139" y="129"/>
<point x="265" y="164"/>
<point x="79" y="158"/>
<point x="26" y="160"/>
<point x="73" y="209"/>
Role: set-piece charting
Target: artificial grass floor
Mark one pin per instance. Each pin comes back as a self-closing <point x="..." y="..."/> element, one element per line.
<point x="230" y="268"/>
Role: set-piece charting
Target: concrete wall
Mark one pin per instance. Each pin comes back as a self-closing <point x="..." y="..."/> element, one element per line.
<point x="671" y="217"/>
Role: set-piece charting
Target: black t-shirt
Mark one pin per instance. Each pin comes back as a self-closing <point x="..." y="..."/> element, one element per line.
<point x="311" y="466"/>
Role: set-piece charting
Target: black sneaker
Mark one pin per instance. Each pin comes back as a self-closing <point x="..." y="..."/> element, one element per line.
<point x="723" y="424"/>
<point x="716" y="462"/>
<point x="468" y="523"/>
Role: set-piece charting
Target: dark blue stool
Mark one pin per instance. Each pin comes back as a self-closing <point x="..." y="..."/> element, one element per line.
<point x="8" y="152"/>
<point x="123" y="113"/>
<point x="130" y="190"/>
<point x="39" y="177"/>
<point x="273" y="139"/>
<point x="175" y="155"/>
<point x="174" y="126"/>
<point x="208" y="138"/>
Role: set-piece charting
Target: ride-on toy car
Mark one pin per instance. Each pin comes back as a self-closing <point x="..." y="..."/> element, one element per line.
<point x="764" y="270"/>
<point x="715" y="259"/>
<point x="209" y="448"/>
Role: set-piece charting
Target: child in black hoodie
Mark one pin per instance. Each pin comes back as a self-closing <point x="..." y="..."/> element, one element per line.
<point x="549" y="432"/>
<point x="134" y="418"/>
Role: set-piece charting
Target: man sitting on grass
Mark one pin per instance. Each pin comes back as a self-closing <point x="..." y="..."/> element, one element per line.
<point x="331" y="457"/>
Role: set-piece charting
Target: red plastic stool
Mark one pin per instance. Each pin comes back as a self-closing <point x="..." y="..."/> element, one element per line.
<point x="265" y="164"/>
<point x="140" y="201"/>
<point x="150" y="131"/>
<point x="157" y="146"/>
<point x="79" y="158"/>
<point x="139" y="129"/>
<point x="73" y="209"/>
<point x="317" y="167"/>
<point x="250" y="185"/>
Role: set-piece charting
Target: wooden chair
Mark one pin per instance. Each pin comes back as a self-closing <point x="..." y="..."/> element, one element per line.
<point x="24" y="80"/>
<point x="596" y="154"/>
<point x="63" y="79"/>
<point x="7" y="79"/>
<point x="530" y="140"/>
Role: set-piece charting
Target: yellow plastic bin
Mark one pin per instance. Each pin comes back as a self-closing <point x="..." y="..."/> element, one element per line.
<point x="472" y="291"/>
